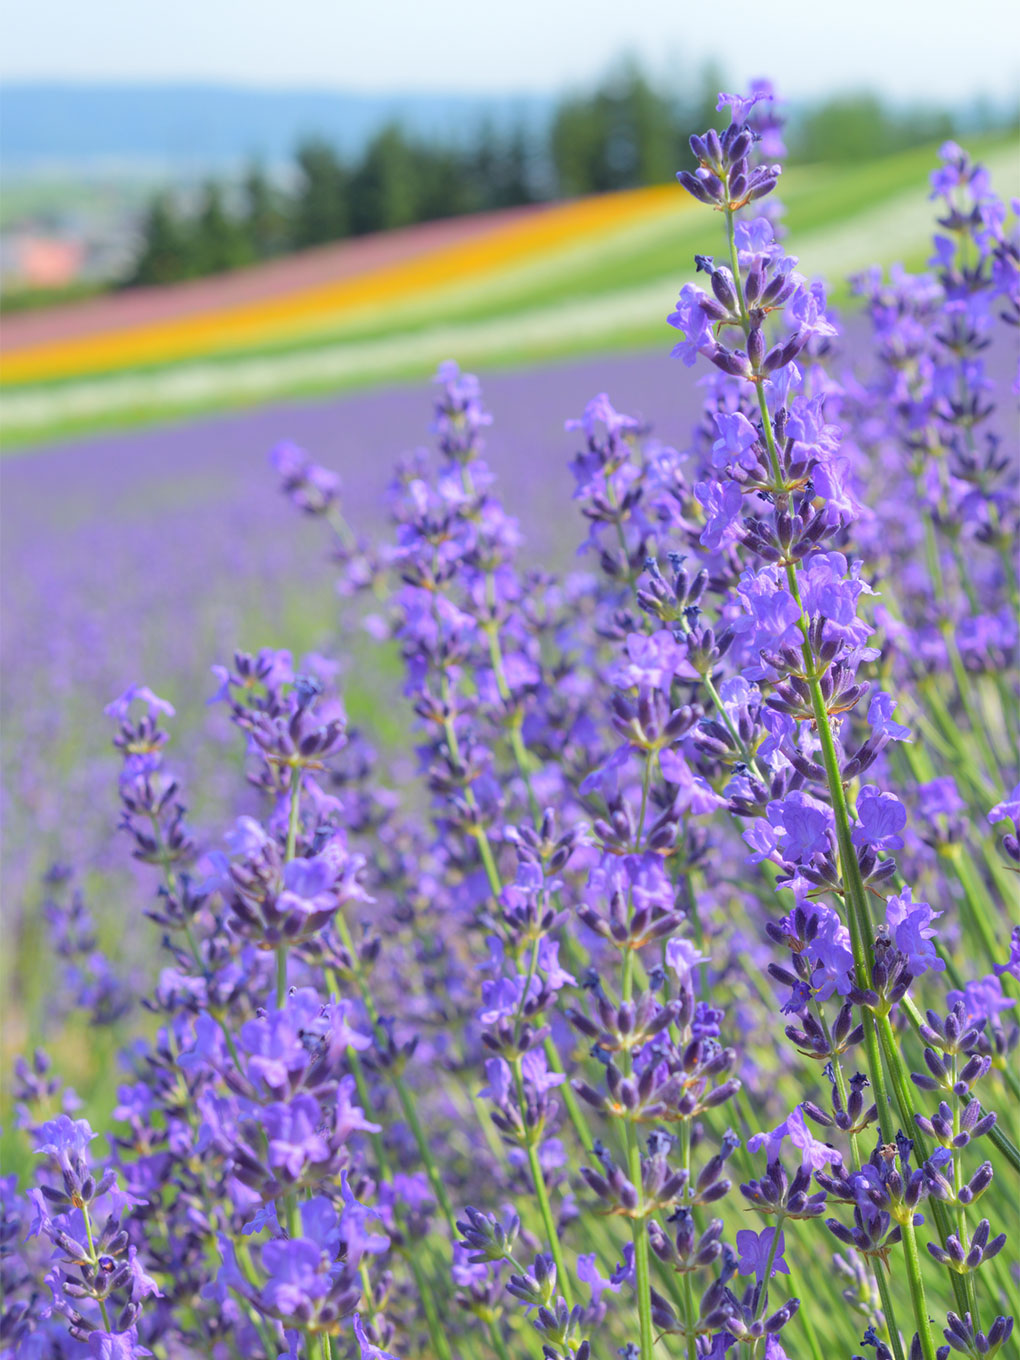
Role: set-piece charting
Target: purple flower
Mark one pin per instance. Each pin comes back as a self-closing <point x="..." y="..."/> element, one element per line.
<point x="643" y="876"/>
<point x="683" y="957"/>
<point x="694" y="793"/>
<point x="806" y="308"/>
<point x="601" y="412"/>
<point x="814" y="1154"/>
<point x="740" y="105"/>
<point x="832" y="482"/>
<point x="881" y="816"/>
<point x="143" y="1286"/>
<point x="830" y="592"/>
<point x="535" y="1067"/>
<point x="554" y="976"/>
<point x="1008" y="809"/>
<point x="116" y="1345"/>
<point x="297" y="1280"/>
<point x="311" y="488"/>
<point x="1012" y="964"/>
<point x="912" y="932"/>
<point x="624" y="1272"/>
<point x="652" y="660"/>
<point x="588" y="1273"/>
<point x="802" y="825"/>
<point x="294" y="1138"/>
<point x="501" y="998"/>
<point x="983" y="999"/>
<point x="356" y="1226"/>
<point x="721" y="502"/>
<point x="348" y="1116"/>
<point x="690" y="318"/>
<point x="830" y="952"/>
<point x="880" y="717"/>
<point x="940" y="798"/>
<point x="120" y="706"/>
<point x="65" y="1139"/>
<point x="769" y="613"/>
<point x="736" y="437"/>
<point x="756" y="243"/>
<point x="763" y="840"/>
<point x="754" y="1248"/>
<point x="605" y="778"/>
<point x="368" y="1350"/>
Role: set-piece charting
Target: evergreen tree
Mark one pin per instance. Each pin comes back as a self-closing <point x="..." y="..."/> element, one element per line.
<point x="161" y="254"/>
<point x="624" y="133"/>
<point x="218" y="241"/>
<point x="577" y="142"/>
<point x="387" y="186"/>
<point x="514" y="181"/>
<point x="265" y="223"/>
<point x="321" y="208"/>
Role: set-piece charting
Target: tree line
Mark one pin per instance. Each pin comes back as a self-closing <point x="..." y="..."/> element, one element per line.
<point x="624" y="133"/>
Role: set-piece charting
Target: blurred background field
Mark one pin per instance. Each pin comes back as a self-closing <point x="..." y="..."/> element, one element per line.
<point x="515" y="287"/>
<point x="193" y="268"/>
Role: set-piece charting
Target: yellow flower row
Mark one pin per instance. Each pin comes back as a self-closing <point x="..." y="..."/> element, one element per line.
<point x="250" y="325"/>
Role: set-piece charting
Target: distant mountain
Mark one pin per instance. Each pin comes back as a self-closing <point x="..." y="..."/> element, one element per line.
<point x="186" y="128"/>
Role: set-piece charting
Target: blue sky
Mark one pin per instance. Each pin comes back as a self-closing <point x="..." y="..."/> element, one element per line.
<point x="910" y="48"/>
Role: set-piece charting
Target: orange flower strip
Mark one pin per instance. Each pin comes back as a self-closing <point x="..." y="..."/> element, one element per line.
<point x="314" y="309"/>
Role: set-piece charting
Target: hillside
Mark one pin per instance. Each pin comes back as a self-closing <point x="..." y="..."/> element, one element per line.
<point x="591" y="274"/>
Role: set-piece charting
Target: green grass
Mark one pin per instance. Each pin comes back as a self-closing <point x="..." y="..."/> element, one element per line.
<point x="37" y="299"/>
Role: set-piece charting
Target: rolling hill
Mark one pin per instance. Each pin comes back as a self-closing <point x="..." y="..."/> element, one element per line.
<point x="560" y="279"/>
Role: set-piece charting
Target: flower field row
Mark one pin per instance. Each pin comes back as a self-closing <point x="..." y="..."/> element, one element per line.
<point x="326" y="305"/>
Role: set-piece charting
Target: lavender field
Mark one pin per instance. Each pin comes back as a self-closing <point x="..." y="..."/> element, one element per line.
<point x="154" y="553"/>
<point x="565" y="895"/>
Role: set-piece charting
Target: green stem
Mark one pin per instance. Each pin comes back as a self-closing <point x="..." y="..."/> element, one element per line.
<point x="728" y="723"/>
<point x="841" y="1087"/>
<point x="690" y="1311"/>
<point x="888" y="1311"/>
<point x="858" y="913"/>
<point x="498" y="1342"/>
<point x="92" y="1252"/>
<point x="773" y="1247"/>
<point x="292" y="1215"/>
<point x="425" y="1152"/>
<point x="436" y="1332"/>
<point x="646" y="780"/>
<point x="505" y="694"/>
<point x="292" y="832"/>
<point x="541" y="1193"/>
<point x="900" y="1079"/>
<point x="917" y="1289"/>
<point x="892" y="1331"/>
<point x="639" y="1234"/>
<point x="961" y="1213"/>
<point x="294" y="814"/>
<point x="399" y="1085"/>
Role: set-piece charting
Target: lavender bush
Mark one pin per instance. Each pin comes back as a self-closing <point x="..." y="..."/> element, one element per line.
<point x="481" y="1053"/>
